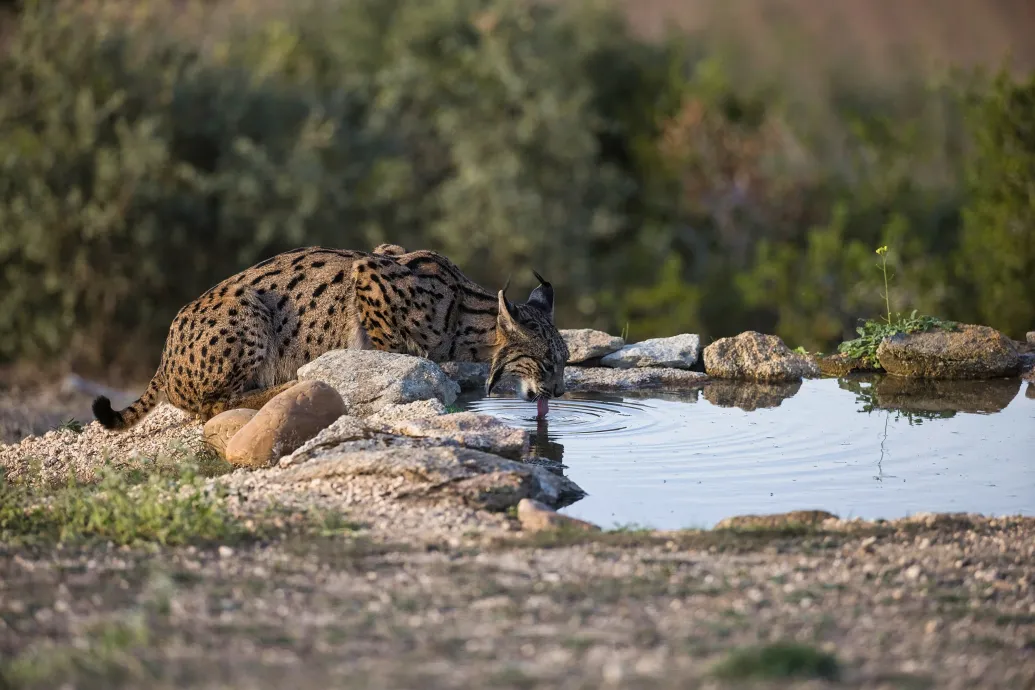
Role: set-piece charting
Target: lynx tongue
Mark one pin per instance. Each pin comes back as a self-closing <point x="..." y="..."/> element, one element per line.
<point x="542" y="406"/>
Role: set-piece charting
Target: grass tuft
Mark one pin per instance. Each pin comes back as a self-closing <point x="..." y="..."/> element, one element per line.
<point x="779" y="661"/>
<point x="872" y="333"/>
<point x="122" y="507"/>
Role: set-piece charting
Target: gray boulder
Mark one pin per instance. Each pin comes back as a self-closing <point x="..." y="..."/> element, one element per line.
<point x="585" y="344"/>
<point x="964" y="352"/>
<point x="676" y="352"/>
<point x="369" y="380"/>
<point x="756" y="356"/>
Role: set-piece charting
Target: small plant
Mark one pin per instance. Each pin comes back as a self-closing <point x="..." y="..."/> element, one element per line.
<point x="872" y="333"/>
<point x="453" y="408"/>
<point x="779" y="660"/>
<point x="71" y="424"/>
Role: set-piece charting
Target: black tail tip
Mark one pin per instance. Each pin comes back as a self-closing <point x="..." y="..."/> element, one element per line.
<point x="109" y="418"/>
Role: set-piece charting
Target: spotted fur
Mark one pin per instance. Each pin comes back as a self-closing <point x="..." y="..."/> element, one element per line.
<point x="243" y="341"/>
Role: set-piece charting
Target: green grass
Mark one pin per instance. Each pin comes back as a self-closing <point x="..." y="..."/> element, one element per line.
<point x="780" y="660"/>
<point x="872" y="333"/>
<point x="106" y="654"/>
<point x="71" y="424"/>
<point x="122" y="507"/>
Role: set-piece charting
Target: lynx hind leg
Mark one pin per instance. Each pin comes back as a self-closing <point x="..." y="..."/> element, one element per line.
<point x="389" y="250"/>
<point x="255" y="399"/>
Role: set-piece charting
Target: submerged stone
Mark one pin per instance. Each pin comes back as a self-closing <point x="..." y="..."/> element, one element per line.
<point x="964" y="352"/>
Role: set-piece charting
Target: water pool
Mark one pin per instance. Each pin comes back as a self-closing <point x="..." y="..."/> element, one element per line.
<point x="871" y="447"/>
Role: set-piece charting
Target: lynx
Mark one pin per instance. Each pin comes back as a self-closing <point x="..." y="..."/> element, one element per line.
<point x="242" y="342"/>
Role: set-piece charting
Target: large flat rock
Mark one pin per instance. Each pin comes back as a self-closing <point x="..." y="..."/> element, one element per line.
<point x="475" y="478"/>
<point x="964" y="352"/>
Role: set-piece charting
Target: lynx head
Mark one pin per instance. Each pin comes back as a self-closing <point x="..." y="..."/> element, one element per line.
<point x="529" y="347"/>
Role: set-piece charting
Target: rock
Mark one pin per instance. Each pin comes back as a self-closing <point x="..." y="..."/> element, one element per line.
<point x="1030" y="337"/>
<point x="756" y="356"/>
<point x="604" y="379"/>
<point x="221" y="428"/>
<point x="369" y="380"/>
<point x="749" y="395"/>
<point x="794" y="518"/>
<point x="467" y="429"/>
<point x="842" y="364"/>
<point x="1029" y="392"/>
<point x="585" y="344"/>
<point x="1027" y="365"/>
<point x="944" y="398"/>
<point x="422" y="409"/>
<point x="965" y="352"/>
<point x="536" y="517"/>
<point x="468" y="375"/>
<point x="677" y="352"/>
<point x="470" y="476"/>
<point x="288" y="420"/>
<point x="342" y="431"/>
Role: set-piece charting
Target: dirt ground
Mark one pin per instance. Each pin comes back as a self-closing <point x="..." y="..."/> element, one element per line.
<point x="944" y="603"/>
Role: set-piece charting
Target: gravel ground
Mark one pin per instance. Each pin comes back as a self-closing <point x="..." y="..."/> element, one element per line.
<point x="943" y="604"/>
<point x="433" y="594"/>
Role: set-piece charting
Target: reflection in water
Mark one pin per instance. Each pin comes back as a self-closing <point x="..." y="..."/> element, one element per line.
<point x="543" y="445"/>
<point x="749" y="395"/>
<point x="926" y="399"/>
<point x="672" y="460"/>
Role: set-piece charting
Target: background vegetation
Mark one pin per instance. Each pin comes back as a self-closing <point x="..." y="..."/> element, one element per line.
<point x="736" y="172"/>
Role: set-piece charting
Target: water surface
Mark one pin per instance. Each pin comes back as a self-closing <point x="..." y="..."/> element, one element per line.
<point x="867" y="447"/>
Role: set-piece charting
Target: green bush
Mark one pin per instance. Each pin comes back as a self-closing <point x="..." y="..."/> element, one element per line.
<point x="997" y="249"/>
<point x="139" y="169"/>
<point x="143" y="159"/>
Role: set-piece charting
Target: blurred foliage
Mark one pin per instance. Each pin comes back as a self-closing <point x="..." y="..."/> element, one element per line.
<point x="144" y="159"/>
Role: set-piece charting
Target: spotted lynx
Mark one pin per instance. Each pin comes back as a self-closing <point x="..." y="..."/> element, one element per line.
<point x="242" y="342"/>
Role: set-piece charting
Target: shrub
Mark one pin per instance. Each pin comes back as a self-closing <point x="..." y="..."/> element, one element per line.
<point x="997" y="250"/>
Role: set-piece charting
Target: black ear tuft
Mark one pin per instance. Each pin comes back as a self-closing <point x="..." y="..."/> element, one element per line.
<point x="542" y="296"/>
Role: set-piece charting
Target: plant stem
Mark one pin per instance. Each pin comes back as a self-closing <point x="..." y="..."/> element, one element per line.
<point x="887" y="295"/>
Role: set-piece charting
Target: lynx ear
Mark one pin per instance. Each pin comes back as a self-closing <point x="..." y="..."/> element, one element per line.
<point x="542" y="296"/>
<point x="506" y="319"/>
